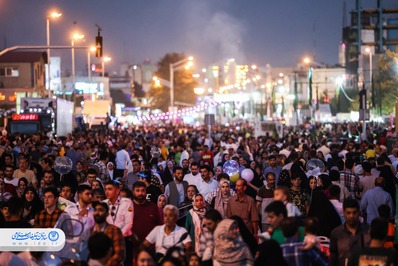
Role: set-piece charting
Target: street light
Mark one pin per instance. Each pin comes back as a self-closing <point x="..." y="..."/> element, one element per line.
<point x="310" y="62"/>
<point x="52" y="15"/>
<point x="75" y="37"/>
<point x="174" y="67"/>
<point x="105" y="59"/>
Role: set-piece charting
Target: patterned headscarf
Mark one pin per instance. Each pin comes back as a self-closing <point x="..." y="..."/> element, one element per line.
<point x="228" y="244"/>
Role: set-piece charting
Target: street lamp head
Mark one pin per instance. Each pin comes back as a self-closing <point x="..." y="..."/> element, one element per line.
<point x="340" y="80"/>
<point x="55" y="14"/>
<point x="78" y="36"/>
<point x="93" y="48"/>
<point x="106" y="59"/>
<point x="254" y="67"/>
<point x="190" y="58"/>
<point x="188" y="66"/>
<point x="307" y="60"/>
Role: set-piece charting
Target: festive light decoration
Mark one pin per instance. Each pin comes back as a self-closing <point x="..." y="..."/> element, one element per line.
<point x="178" y="113"/>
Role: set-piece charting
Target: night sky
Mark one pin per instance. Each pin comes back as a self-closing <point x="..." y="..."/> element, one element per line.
<point x="276" y="32"/>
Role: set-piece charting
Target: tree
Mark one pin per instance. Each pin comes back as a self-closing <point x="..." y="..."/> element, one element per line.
<point x="385" y="84"/>
<point x="184" y="84"/>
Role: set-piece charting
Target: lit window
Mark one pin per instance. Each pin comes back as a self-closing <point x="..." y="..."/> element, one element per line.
<point x="9" y="72"/>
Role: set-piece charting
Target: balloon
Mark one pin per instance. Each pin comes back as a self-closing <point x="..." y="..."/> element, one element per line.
<point x="155" y="152"/>
<point x="234" y="178"/>
<point x="315" y="163"/>
<point x="231" y="168"/>
<point x="248" y="175"/>
<point x="63" y="165"/>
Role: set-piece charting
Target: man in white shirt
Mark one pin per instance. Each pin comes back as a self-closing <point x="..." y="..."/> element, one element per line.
<point x="121" y="214"/>
<point x="193" y="177"/>
<point x="9" y="179"/>
<point x="206" y="185"/>
<point x="168" y="235"/>
<point x="184" y="154"/>
<point x="122" y="161"/>
<point x="83" y="212"/>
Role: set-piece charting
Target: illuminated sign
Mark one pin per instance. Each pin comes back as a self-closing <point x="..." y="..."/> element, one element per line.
<point x="89" y="88"/>
<point x="25" y="117"/>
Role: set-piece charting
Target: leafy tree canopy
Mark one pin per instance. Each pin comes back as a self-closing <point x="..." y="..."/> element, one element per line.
<point x="184" y="84"/>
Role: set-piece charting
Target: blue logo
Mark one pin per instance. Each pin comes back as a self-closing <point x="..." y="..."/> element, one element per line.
<point x="53" y="236"/>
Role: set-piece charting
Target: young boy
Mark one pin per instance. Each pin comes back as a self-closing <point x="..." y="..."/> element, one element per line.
<point x="276" y="213"/>
<point x="283" y="194"/>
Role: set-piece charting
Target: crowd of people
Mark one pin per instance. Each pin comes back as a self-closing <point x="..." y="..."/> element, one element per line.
<point x="160" y="195"/>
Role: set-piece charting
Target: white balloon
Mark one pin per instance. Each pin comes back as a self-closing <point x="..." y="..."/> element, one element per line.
<point x="247" y="174"/>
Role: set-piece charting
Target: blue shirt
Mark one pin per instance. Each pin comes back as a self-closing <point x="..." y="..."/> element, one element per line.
<point x="277" y="170"/>
<point x="75" y="156"/>
<point x="372" y="199"/>
<point x="294" y="256"/>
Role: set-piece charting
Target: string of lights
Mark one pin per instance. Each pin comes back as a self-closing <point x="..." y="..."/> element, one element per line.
<point x="179" y="113"/>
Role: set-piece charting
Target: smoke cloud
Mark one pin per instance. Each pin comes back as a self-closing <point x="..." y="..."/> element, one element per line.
<point x="216" y="35"/>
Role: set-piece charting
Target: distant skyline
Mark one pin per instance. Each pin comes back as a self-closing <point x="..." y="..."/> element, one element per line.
<point x="259" y="32"/>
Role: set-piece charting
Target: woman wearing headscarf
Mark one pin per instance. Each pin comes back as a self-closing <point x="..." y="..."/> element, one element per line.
<point x="229" y="248"/>
<point x="194" y="220"/>
<point x="246" y="235"/>
<point x="162" y="201"/>
<point x="110" y="168"/>
<point x="225" y="157"/>
<point x="284" y="179"/>
<point x="220" y="201"/>
<point x="167" y="174"/>
<point x="297" y="168"/>
<point x="326" y="213"/>
<point x="32" y="204"/>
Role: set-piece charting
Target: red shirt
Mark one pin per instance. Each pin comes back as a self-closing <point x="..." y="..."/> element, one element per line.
<point x="146" y="217"/>
<point x="208" y="157"/>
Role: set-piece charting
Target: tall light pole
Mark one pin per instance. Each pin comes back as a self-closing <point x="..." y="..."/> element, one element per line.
<point x="52" y="15"/>
<point x="369" y="51"/>
<point x="105" y="59"/>
<point x="363" y="106"/>
<point x="308" y="61"/>
<point x="75" y="37"/>
<point x="92" y="49"/>
<point x="174" y="67"/>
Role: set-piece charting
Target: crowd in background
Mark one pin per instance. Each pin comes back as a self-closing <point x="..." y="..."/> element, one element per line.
<point x="163" y="195"/>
